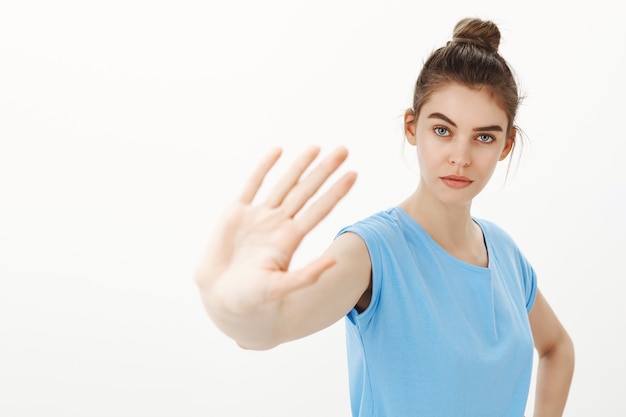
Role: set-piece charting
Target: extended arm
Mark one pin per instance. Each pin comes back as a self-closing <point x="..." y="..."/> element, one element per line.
<point x="244" y="277"/>
<point x="556" y="360"/>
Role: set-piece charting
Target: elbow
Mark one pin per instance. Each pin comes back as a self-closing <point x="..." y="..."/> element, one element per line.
<point x="569" y="350"/>
<point x="562" y="351"/>
<point x="567" y="347"/>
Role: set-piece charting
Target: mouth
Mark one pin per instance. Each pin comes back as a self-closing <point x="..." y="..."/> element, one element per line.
<point x="456" y="181"/>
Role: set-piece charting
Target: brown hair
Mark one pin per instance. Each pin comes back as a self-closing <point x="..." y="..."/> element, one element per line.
<point x="471" y="59"/>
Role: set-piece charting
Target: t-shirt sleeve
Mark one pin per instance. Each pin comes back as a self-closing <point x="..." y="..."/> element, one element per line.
<point x="525" y="273"/>
<point x="529" y="279"/>
<point x="523" y="270"/>
<point x="529" y="282"/>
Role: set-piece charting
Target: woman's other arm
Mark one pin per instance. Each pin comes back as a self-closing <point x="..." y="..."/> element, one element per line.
<point x="556" y="360"/>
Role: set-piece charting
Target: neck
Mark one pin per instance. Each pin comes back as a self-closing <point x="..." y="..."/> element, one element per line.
<point x="450" y="226"/>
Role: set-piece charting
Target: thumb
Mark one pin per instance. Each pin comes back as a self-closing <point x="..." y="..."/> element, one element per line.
<point x="288" y="282"/>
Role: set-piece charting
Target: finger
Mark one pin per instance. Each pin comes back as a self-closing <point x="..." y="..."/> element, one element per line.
<point x="326" y="202"/>
<point x="258" y="175"/>
<point x="288" y="282"/>
<point x="291" y="177"/>
<point x="299" y="195"/>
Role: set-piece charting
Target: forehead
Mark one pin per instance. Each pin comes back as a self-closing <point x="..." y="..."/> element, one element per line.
<point x="470" y="106"/>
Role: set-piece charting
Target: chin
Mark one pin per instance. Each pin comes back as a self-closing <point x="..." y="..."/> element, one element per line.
<point x="456" y="198"/>
<point x="456" y="203"/>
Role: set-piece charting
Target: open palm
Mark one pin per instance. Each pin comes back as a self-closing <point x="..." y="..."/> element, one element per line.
<point x="246" y="264"/>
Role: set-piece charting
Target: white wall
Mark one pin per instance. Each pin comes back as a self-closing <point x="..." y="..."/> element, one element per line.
<point x="126" y="126"/>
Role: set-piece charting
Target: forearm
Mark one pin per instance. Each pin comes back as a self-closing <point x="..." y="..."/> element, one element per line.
<point x="554" y="376"/>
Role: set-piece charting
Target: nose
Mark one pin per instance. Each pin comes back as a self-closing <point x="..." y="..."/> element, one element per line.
<point x="459" y="154"/>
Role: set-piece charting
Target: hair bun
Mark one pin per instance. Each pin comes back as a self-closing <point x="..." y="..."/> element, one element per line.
<point x="482" y="33"/>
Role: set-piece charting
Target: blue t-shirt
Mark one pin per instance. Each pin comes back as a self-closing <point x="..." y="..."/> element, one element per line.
<point x="440" y="337"/>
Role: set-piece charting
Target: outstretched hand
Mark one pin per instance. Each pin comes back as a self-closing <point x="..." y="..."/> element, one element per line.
<point x="246" y="264"/>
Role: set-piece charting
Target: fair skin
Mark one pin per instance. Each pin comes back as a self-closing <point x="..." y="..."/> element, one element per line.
<point x="251" y="294"/>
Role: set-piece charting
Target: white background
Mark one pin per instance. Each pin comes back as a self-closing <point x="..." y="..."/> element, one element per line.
<point x="127" y="126"/>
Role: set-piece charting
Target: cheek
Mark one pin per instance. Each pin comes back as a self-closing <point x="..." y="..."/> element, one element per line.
<point x="425" y="150"/>
<point x="487" y="163"/>
<point x="429" y="157"/>
<point x="421" y="155"/>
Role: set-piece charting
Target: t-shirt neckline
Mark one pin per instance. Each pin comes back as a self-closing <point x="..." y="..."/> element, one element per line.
<point x="412" y="223"/>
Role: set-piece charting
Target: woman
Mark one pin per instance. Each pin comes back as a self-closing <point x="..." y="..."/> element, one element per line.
<point x="442" y="309"/>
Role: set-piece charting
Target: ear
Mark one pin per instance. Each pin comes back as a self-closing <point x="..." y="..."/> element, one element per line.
<point x="409" y="126"/>
<point x="508" y="146"/>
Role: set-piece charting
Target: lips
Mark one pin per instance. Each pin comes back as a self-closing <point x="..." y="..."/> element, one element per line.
<point x="456" y="181"/>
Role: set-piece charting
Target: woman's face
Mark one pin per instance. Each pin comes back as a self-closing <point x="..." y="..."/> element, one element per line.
<point x="460" y="135"/>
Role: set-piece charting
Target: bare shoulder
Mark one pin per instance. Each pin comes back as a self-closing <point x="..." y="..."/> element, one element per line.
<point x="353" y="265"/>
<point x="351" y="246"/>
<point x="353" y="262"/>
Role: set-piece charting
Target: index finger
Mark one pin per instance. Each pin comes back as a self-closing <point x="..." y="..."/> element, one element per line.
<point x="258" y="175"/>
<point x="325" y="203"/>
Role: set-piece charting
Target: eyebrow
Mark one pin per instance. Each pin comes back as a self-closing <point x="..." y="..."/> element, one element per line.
<point x="446" y="119"/>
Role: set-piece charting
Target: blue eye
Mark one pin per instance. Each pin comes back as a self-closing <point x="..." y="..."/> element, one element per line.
<point x="485" y="138"/>
<point x="441" y="131"/>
